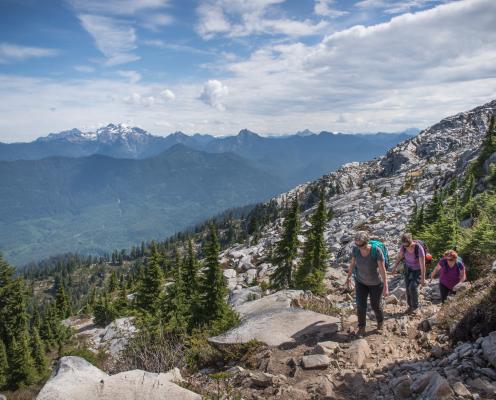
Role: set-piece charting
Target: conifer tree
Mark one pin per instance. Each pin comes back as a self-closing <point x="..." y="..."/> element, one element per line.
<point x="62" y="301"/>
<point x="215" y="310"/>
<point x="21" y="366"/>
<point x="469" y="188"/>
<point x="4" y="365"/>
<point x="443" y="234"/>
<point x="177" y="316"/>
<point x="38" y="353"/>
<point x="311" y="272"/>
<point x="113" y="282"/>
<point x="287" y="249"/>
<point x="192" y="285"/>
<point x="104" y="311"/>
<point x="150" y="286"/>
<point x="434" y="208"/>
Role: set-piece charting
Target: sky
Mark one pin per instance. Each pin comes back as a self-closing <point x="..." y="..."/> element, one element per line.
<point x="219" y="66"/>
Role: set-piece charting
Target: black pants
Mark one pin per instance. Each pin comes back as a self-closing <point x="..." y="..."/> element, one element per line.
<point x="412" y="281"/>
<point x="445" y="292"/>
<point x="362" y="293"/>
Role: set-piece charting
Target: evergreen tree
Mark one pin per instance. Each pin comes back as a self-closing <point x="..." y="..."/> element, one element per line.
<point x="38" y="353"/>
<point x="192" y="285"/>
<point x="113" y="282"/>
<point x="434" y="208"/>
<point x="469" y="188"/>
<point x="311" y="272"/>
<point x="62" y="301"/>
<point x="443" y="234"/>
<point x="287" y="249"/>
<point x="150" y="286"/>
<point x="215" y="310"/>
<point x="104" y="312"/>
<point x="177" y="316"/>
<point x="4" y="365"/>
<point x="121" y="303"/>
<point x="21" y="366"/>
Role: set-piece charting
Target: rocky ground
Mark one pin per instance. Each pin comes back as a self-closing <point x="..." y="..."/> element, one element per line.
<point x="411" y="359"/>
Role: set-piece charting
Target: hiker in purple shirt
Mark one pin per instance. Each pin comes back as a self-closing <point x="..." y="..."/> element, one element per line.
<point x="452" y="272"/>
<point x="413" y="256"/>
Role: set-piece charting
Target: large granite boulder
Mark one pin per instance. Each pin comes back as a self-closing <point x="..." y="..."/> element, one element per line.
<point x="76" y="379"/>
<point x="274" y="320"/>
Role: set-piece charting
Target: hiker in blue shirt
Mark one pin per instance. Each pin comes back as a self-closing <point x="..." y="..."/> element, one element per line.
<point x="367" y="266"/>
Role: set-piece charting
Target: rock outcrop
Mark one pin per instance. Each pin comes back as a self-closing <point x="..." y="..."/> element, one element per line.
<point x="77" y="379"/>
<point x="273" y="320"/>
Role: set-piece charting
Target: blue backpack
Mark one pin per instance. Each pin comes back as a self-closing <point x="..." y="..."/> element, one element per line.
<point x="375" y="245"/>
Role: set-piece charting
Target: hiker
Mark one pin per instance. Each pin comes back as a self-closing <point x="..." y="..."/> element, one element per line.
<point x="451" y="273"/>
<point x="413" y="255"/>
<point x="367" y="266"/>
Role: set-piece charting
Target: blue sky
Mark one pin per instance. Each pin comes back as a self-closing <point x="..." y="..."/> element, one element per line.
<point x="218" y="66"/>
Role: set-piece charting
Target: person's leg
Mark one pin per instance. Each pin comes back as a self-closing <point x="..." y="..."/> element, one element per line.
<point x="444" y="292"/>
<point x="407" y="287"/>
<point x="362" y="293"/>
<point x="376" y="302"/>
<point x="413" y="288"/>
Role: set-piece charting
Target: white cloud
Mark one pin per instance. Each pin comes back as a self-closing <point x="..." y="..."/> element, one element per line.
<point x="238" y="18"/>
<point x="410" y="71"/>
<point x="325" y="8"/>
<point x="168" y="95"/>
<point x="398" y="7"/>
<point x="116" y="39"/>
<point x="156" y="21"/>
<point x="213" y="94"/>
<point x="12" y="52"/>
<point x="132" y="76"/>
<point x="117" y="7"/>
<point x="84" y="68"/>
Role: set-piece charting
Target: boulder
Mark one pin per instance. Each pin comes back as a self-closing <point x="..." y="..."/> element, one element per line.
<point x="274" y="321"/>
<point x="401" y="387"/>
<point x="461" y="390"/>
<point x="433" y="386"/>
<point x="240" y="296"/>
<point x="326" y="348"/>
<point x="76" y="379"/>
<point x="489" y="348"/>
<point x="117" y="335"/>
<point x="358" y="352"/>
<point x="315" y="361"/>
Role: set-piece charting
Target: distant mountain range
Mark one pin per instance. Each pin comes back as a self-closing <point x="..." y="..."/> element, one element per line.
<point x="97" y="203"/>
<point x="294" y="158"/>
<point x="96" y="191"/>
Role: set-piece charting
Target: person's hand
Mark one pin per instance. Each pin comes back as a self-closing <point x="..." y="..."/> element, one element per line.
<point x="348" y="282"/>
<point x="430" y="280"/>
<point x="422" y="281"/>
<point x="385" y="291"/>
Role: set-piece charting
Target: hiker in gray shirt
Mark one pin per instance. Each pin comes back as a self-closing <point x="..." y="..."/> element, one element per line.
<point x="367" y="265"/>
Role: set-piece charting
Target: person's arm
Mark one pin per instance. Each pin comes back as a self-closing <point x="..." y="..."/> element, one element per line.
<point x="434" y="272"/>
<point x="422" y="270"/>
<point x="350" y="270"/>
<point x="463" y="278"/>
<point x="399" y="257"/>
<point x="382" y="272"/>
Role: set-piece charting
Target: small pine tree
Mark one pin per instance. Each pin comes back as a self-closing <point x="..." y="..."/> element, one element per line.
<point x="150" y="286"/>
<point x="113" y="282"/>
<point x="287" y="249"/>
<point x="38" y="353"/>
<point x="468" y="188"/>
<point x="21" y="366"/>
<point x="104" y="312"/>
<point x="192" y="285"/>
<point x="4" y="365"/>
<point x="62" y="301"/>
<point x="177" y="316"/>
<point x="215" y="310"/>
<point x="434" y="209"/>
<point x="311" y="272"/>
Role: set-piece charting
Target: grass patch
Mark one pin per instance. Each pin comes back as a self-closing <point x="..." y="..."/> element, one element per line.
<point x="319" y="305"/>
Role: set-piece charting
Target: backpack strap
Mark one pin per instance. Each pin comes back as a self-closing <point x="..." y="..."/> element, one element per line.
<point x="417" y="250"/>
<point x="374" y="251"/>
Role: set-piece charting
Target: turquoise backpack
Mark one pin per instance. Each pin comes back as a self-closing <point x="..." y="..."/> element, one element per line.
<point x="377" y="244"/>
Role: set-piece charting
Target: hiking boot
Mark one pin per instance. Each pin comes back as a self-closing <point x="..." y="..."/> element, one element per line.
<point x="360" y="332"/>
<point x="409" y="310"/>
<point x="380" y="328"/>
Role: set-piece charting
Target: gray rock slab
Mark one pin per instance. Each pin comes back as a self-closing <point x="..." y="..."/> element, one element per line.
<point x="315" y="361"/>
<point x="489" y="348"/>
<point x="274" y="321"/>
<point x="77" y="379"/>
